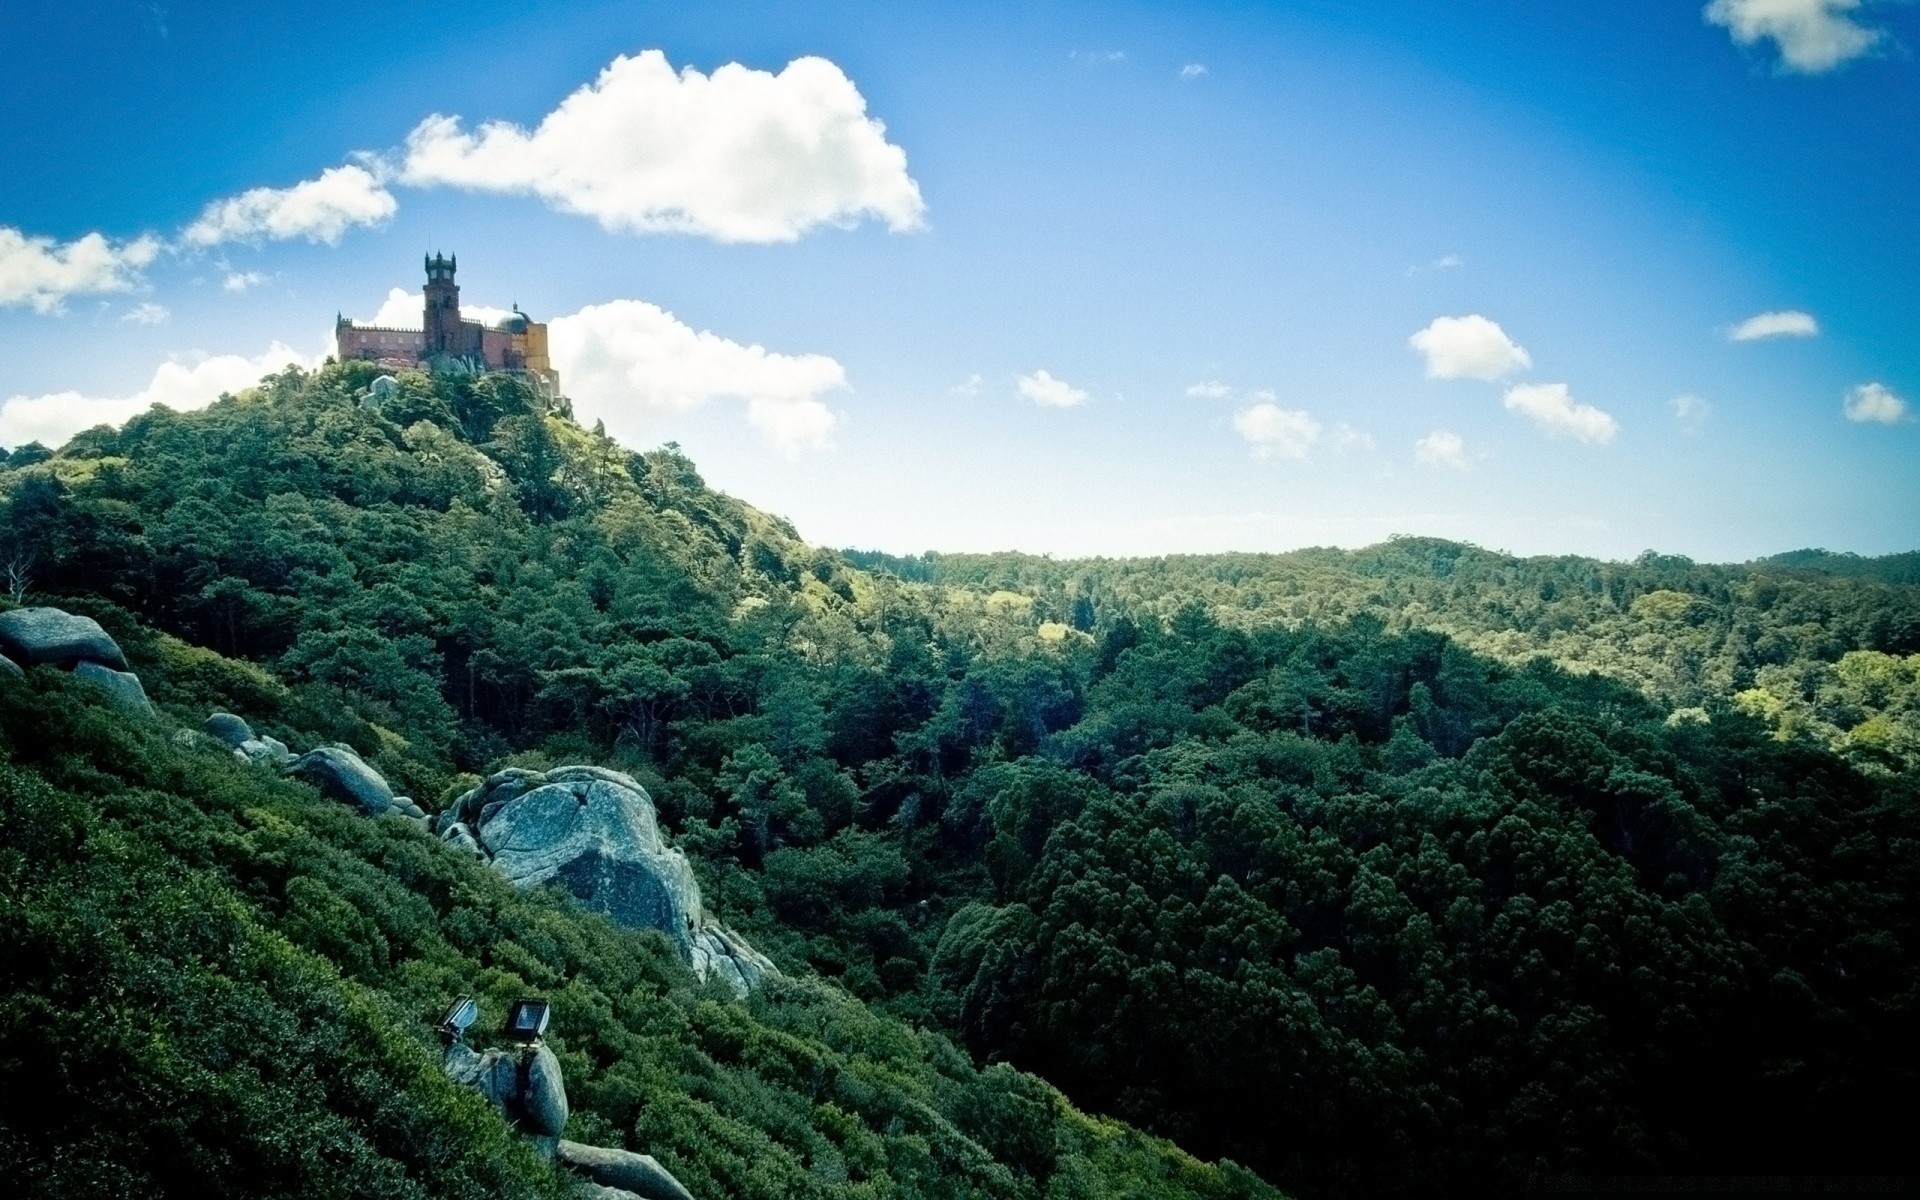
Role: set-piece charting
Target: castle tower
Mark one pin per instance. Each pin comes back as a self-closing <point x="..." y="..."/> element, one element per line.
<point x="442" y="321"/>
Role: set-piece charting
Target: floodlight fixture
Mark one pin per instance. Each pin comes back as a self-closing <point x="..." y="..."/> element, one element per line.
<point x="460" y="1014"/>
<point x="527" y="1020"/>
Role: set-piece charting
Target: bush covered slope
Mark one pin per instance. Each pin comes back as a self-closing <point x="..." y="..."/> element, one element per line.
<point x="1407" y="869"/>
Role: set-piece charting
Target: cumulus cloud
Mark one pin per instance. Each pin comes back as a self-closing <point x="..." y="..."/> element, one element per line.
<point x="240" y="281"/>
<point x="633" y="364"/>
<point x="970" y="386"/>
<point x="41" y="273"/>
<point x="1875" y="403"/>
<point x="1812" y="35"/>
<point x="1208" y="390"/>
<point x="320" y="210"/>
<point x="1193" y="70"/>
<point x="1274" y="431"/>
<point x="1048" y="392"/>
<point x="148" y="313"/>
<point x="1442" y="448"/>
<point x="1470" y="347"/>
<point x="738" y="156"/>
<point x="407" y="310"/>
<point x="181" y="385"/>
<point x="1551" y="406"/>
<point x="1787" y="323"/>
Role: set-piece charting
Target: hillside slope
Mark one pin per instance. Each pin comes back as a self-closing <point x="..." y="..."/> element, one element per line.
<point x="1386" y="872"/>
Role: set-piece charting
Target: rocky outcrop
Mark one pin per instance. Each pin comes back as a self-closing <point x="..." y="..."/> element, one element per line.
<point x="52" y="636"/>
<point x="56" y="638"/>
<point x="340" y="774"/>
<point x="594" y="832"/>
<point x="247" y="745"/>
<point x="124" y="686"/>
<point x="623" y="1170"/>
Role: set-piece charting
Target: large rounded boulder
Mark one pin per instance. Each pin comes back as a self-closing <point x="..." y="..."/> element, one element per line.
<point x="340" y="774"/>
<point x="123" y="686"/>
<point x="33" y="636"/>
<point x="594" y="832"/>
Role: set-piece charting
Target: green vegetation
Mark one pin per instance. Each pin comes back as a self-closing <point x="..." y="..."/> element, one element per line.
<point x="1410" y="869"/>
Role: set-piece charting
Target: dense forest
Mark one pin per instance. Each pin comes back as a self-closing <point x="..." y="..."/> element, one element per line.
<point x="1418" y="868"/>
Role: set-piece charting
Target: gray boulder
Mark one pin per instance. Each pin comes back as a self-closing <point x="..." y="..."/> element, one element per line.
<point x="228" y="728"/>
<point x="720" y="951"/>
<point x="10" y="669"/>
<point x="123" y="685"/>
<point x="263" y="749"/>
<point x="31" y="636"/>
<point x="543" y="1094"/>
<point x="587" y="1189"/>
<point x="461" y="838"/>
<point x="640" y="1174"/>
<point x="340" y="774"/>
<point x="594" y="832"/>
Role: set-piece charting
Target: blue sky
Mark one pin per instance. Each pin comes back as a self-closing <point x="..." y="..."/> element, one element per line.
<point x="1214" y="228"/>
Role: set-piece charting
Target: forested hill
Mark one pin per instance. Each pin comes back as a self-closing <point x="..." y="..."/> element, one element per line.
<point x="1412" y="870"/>
<point x="1816" y="643"/>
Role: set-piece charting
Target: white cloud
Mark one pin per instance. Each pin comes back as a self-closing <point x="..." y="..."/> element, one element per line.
<point x="1272" y="430"/>
<point x="737" y="156"/>
<point x="148" y="313"/>
<point x="1552" y="407"/>
<point x="1048" y="392"/>
<point x="1211" y="389"/>
<point x="1691" y="411"/>
<point x="41" y="273"/>
<point x="240" y="281"/>
<point x="184" y="386"/>
<point x="1098" y="56"/>
<point x="970" y="386"/>
<point x="632" y="365"/>
<point x="408" y="310"/>
<point x="1789" y="323"/>
<point x="1876" y="403"/>
<point x="1193" y="70"/>
<point x="319" y="210"/>
<point x="1442" y="448"/>
<point x="1813" y="35"/>
<point x="1469" y="347"/>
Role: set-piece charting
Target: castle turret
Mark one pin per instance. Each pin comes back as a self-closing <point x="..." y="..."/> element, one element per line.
<point x="442" y="318"/>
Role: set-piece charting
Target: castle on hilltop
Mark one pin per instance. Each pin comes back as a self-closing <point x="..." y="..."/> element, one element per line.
<point x="447" y="342"/>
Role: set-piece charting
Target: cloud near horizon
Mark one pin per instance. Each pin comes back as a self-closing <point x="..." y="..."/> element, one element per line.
<point x="42" y="273"/>
<point x="633" y="365"/>
<point x="1784" y="323"/>
<point x="1813" y="36"/>
<point x="180" y="385"/>
<point x="740" y="155"/>
<point x="321" y="209"/>
<point x="1552" y="408"/>
<point x="1469" y="347"/>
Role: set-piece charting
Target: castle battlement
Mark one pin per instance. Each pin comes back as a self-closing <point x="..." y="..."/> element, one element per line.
<point x="446" y="341"/>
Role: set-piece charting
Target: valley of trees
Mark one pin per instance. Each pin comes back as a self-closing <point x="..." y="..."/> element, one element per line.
<point x="1407" y="870"/>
